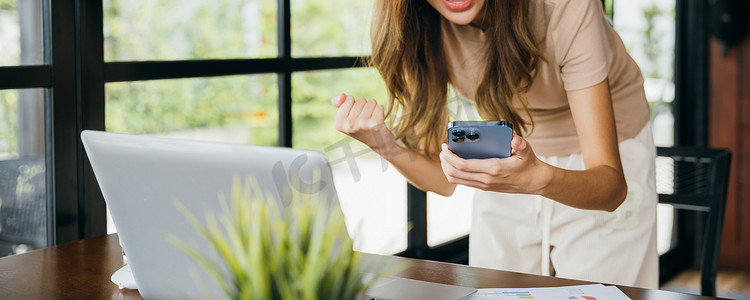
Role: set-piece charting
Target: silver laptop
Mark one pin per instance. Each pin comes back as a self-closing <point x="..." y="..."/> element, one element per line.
<point x="141" y="176"/>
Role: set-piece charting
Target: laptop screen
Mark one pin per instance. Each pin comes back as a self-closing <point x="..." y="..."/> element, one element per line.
<point x="141" y="177"/>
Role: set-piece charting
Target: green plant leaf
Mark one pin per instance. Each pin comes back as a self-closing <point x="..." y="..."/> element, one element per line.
<point x="298" y="252"/>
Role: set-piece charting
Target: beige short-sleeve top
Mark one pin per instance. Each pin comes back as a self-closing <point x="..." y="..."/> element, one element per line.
<point x="581" y="49"/>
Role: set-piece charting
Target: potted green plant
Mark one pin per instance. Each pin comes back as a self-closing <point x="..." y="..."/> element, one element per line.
<point x="268" y="252"/>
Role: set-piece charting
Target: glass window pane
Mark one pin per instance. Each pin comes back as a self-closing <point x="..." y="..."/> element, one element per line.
<point x="648" y="30"/>
<point x="23" y="197"/>
<point x="21" y="33"/>
<point x="321" y="28"/>
<point x="372" y="193"/>
<point x="233" y="109"/>
<point x="226" y="109"/>
<point x="448" y="218"/>
<point x="189" y="29"/>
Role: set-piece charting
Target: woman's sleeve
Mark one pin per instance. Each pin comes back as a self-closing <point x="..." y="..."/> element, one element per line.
<point x="581" y="37"/>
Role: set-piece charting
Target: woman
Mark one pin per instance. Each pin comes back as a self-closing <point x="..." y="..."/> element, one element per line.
<point x="577" y="198"/>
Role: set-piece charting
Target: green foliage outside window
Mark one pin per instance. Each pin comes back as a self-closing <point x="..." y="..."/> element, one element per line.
<point x="7" y="4"/>
<point x="169" y="30"/>
<point x="9" y="34"/>
<point x="183" y="30"/>
<point x="157" y="107"/>
<point x="653" y="48"/>
<point x="608" y="9"/>
<point x="321" y="28"/>
<point x="8" y="122"/>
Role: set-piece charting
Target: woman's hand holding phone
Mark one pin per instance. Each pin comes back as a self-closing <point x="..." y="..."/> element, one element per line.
<point x="522" y="172"/>
<point x="363" y="120"/>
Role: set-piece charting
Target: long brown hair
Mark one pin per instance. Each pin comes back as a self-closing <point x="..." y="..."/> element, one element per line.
<point x="407" y="50"/>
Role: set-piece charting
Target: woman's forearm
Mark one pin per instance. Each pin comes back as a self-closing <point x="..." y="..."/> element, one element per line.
<point x="600" y="188"/>
<point x="363" y="120"/>
<point x="419" y="170"/>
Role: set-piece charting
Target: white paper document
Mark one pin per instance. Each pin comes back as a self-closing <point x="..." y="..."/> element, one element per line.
<point x="576" y="292"/>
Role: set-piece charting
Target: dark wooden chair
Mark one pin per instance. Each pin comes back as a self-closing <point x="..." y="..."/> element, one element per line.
<point x="696" y="179"/>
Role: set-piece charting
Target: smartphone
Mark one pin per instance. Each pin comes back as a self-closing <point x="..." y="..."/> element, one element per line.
<point x="480" y="139"/>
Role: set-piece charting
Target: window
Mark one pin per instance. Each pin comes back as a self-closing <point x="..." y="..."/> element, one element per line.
<point x="21" y="33"/>
<point x="24" y="217"/>
<point x="238" y="109"/>
<point x="448" y="218"/>
<point x="320" y="28"/>
<point x="141" y="31"/>
<point x="648" y="30"/>
<point x="23" y="196"/>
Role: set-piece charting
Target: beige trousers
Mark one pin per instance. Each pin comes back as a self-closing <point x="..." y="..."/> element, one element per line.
<point x="533" y="234"/>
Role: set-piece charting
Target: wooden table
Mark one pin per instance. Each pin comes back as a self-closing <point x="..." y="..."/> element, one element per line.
<point x="81" y="270"/>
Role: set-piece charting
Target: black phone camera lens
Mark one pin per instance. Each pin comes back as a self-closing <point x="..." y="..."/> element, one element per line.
<point x="458" y="133"/>
<point x="458" y="139"/>
<point x="473" y="135"/>
<point x="506" y="124"/>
